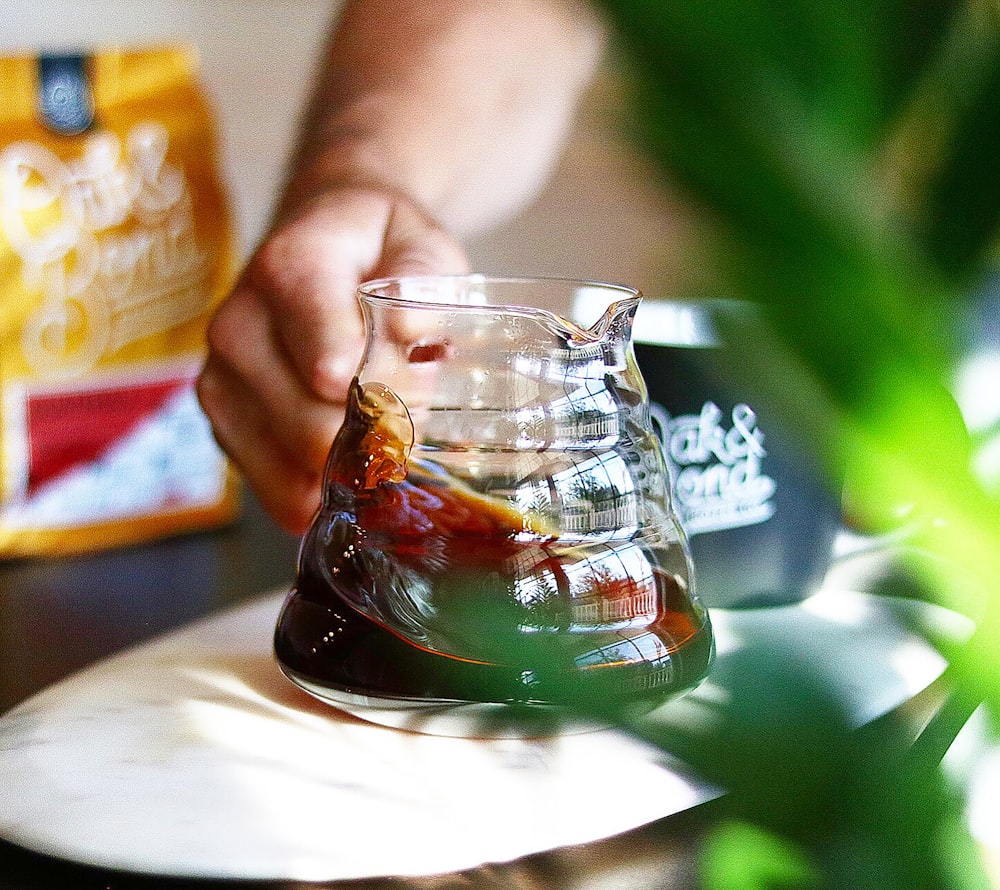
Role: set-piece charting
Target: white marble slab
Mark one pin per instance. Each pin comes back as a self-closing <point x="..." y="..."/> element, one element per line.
<point x="193" y="756"/>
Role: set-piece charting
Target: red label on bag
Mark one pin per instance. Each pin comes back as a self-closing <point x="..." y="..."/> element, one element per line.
<point x="123" y="448"/>
<point x="67" y="429"/>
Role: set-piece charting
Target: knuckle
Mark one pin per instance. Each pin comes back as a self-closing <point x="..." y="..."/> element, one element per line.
<point x="267" y="268"/>
<point x="208" y="391"/>
<point x="218" y="335"/>
<point x="235" y="329"/>
<point x="224" y="340"/>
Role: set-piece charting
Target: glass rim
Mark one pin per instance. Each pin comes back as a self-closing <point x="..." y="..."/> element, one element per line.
<point x="473" y="283"/>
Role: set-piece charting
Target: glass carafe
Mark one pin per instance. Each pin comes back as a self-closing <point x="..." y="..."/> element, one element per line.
<point x="496" y="546"/>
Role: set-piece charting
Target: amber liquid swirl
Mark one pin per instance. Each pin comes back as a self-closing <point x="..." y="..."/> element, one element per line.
<point x="414" y="587"/>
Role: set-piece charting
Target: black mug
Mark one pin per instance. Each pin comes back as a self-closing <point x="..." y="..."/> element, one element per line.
<point x="760" y="516"/>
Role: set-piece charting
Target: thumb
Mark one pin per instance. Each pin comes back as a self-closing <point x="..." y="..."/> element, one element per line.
<point x="416" y="245"/>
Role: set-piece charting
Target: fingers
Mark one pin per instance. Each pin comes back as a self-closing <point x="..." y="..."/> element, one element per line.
<point x="312" y="267"/>
<point x="307" y="273"/>
<point x="285" y="344"/>
<point x="289" y="490"/>
<point x="413" y="246"/>
<point x="257" y="377"/>
<point x="274" y="429"/>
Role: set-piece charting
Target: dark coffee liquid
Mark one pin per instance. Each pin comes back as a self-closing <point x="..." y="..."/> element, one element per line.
<point x="324" y="641"/>
<point x="413" y="587"/>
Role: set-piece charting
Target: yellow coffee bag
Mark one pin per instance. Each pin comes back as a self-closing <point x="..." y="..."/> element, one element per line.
<point x="115" y="244"/>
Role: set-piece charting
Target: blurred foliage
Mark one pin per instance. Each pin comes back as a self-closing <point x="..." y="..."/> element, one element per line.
<point x="845" y="161"/>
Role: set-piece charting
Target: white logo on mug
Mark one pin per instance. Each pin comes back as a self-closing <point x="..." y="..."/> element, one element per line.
<point x="718" y="482"/>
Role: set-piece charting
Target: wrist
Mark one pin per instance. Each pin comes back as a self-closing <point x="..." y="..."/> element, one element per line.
<point x="363" y="144"/>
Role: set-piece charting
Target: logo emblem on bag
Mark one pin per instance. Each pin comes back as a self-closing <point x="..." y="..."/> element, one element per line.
<point x="108" y="241"/>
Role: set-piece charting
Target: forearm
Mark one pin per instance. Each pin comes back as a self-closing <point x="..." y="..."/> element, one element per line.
<point x="461" y="105"/>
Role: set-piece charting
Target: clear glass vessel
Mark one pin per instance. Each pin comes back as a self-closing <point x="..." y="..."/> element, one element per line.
<point x="496" y="550"/>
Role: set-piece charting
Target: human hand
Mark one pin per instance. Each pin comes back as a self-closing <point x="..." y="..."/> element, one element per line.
<point x="285" y="344"/>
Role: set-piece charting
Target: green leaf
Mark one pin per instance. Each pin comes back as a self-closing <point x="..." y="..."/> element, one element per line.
<point x="741" y="856"/>
<point x="843" y="161"/>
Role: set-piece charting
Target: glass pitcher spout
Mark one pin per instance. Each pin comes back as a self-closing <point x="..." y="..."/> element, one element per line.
<point x="612" y="327"/>
<point x="615" y="323"/>
<point x="496" y="532"/>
